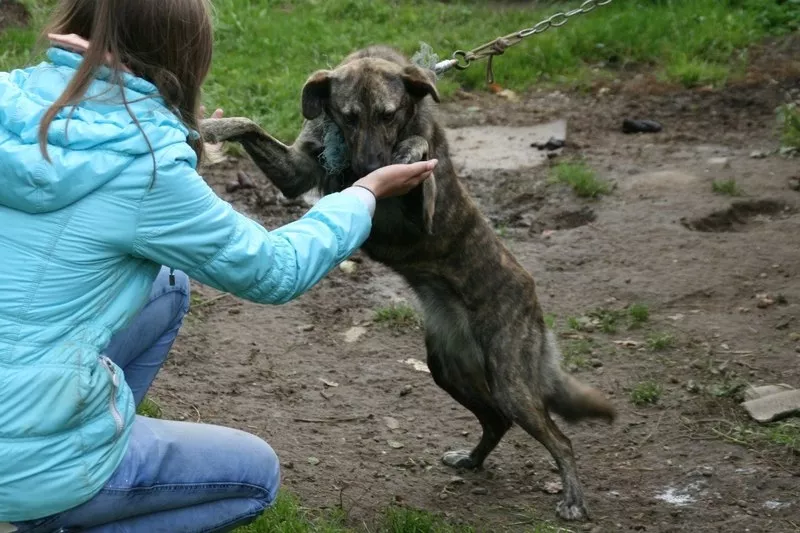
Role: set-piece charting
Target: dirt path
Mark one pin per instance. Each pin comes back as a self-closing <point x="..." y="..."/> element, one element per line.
<point x="670" y="467"/>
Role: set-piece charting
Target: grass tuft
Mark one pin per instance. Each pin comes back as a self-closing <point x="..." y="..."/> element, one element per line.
<point x="727" y="187"/>
<point x="576" y="354"/>
<point x="783" y="436"/>
<point x="402" y="520"/>
<point x="789" y="116"/>
<point x="638" y="314"/>
<point x="149" y="408"/>
<point x="287" y="516"/>
<point x="660" y="341"/>
<point x="397" y="316"/>
<point x="646" y="393"/>
<point x="581" y="178"/>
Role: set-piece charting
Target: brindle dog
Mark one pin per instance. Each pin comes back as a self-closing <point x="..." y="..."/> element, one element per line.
<point x="485" y="335"/>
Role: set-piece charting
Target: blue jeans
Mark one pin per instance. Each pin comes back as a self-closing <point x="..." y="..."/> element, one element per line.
<point x="176" y="477"/>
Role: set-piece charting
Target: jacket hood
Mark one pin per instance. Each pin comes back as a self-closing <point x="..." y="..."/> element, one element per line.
<point x="88" y="144"/>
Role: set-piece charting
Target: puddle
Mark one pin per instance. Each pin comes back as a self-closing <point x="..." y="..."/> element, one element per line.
<point x="501" y="147"/>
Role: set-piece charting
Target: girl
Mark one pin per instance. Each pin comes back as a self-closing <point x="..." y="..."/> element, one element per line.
<point x="98" y="188"/>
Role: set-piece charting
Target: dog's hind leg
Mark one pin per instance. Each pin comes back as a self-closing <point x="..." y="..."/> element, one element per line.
<point x="494" y="426"/>
<point x="533" y="418"/>
<point x="453" y="376"/>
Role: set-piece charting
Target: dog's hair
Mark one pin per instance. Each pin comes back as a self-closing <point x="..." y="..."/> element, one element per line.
<point x="485" y="335"/>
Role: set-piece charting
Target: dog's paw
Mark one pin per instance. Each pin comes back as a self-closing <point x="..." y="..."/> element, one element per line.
<point x="572" y="512"/>
<point x="459" y="459"/>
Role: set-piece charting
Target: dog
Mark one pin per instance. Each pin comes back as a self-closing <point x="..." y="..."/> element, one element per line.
<point x="485" y="335"/>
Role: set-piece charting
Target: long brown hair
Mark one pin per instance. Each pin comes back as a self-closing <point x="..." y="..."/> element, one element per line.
<point x="167" y="42"/>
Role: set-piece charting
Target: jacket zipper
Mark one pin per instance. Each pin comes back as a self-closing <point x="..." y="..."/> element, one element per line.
<point x="109" y="366"/>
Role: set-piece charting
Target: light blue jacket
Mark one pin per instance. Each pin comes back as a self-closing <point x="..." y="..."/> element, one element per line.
<point x="81" y="241"/>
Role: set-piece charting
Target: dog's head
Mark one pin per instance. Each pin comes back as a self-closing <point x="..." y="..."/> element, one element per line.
<point x="372" y="100"/>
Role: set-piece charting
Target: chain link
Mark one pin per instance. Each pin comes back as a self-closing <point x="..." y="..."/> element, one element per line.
<point x="462" y="59"/>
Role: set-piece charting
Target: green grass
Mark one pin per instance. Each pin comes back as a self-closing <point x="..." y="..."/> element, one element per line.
<point x="610" y="320"/>
<point x="694" y="72"/>
<point x="638" y="314"/>
<point x="778" y="435"/>
<point x="266" y="50"/>
<point x="550" y="321"/>
<point x="581" y="178"/>
<point x="149" y="408"/>
<point x="727" y="187"/>
<point x="576" y="354"/>
<point x="288" y="516"/>
<point x="397" y="316"/>
<point x="646" y="393"/>
<point x="789" y="116"/>
<point x="659" y="342"/>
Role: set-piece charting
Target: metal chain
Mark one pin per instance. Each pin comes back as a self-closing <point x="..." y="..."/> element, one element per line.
<point x="462" y="59"/>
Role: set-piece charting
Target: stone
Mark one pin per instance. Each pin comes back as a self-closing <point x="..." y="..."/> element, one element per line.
<point x="719" y="161"/>
<point x="640" y="126"/>
<point x="774" y="407"/>
<point x="754" y="393"/>
<point x="480" y="491"/>
<point x="348" y="267"/>
<point x="354" y="333"/>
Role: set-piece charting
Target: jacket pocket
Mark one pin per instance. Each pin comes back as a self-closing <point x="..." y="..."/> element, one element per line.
<point x="112" y="401"/>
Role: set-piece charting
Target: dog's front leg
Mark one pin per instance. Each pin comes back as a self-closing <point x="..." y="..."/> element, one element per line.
<point x="292" y="169"/>
<point x="412" y="150"/>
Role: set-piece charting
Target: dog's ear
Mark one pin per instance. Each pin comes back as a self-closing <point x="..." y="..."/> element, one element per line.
<point x="420" y="82"/>
<point x="428" y="203"/>
<point x="315" y="93"/>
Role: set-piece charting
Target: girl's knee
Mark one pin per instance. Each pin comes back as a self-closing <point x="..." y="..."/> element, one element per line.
<point x="264" y="471"/>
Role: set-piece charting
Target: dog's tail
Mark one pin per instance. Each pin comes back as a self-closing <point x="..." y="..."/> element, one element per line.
<point x="568" y="397"/>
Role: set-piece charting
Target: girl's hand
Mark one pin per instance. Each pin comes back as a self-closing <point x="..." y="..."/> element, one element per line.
<point x="396" y="180"/>
<point x="215" y="114"/>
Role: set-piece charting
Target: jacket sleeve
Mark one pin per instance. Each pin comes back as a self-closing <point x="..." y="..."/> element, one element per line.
<point x="184" y="225"/>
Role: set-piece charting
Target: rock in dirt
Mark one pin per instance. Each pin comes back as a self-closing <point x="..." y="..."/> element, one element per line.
<point x="395" y="445"/>
<point x="313" y="461"/>
<point x="552" y="487"/>
<point x="630" y="125"/>
<point x="754" y="393"/>
<point x="794" y="184"/>
<point x="759" y="154"/>
<point x="354" y="333"/>
<point x="480" y="491"/>
<point x="406" y="390"/>
<point x="553" y="143"/>
<point x="774" y="407"/>
<point x="391" y="423"/>
<point x="720" y="161"/>
<point x="348" y="267"/>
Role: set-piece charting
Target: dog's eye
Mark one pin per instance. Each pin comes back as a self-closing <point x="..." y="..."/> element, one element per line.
<point x="389" y="114"/>
<point x="351" y="118"/>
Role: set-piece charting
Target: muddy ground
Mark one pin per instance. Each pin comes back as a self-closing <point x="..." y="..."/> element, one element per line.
<point x="661" y="238"/>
